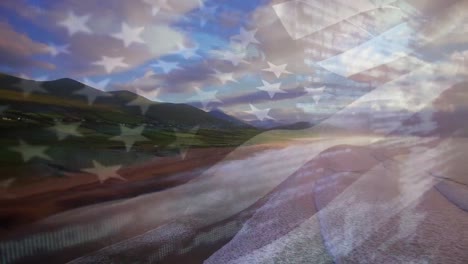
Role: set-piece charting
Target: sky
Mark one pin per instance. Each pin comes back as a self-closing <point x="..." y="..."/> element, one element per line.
<point x="282" y="61"/>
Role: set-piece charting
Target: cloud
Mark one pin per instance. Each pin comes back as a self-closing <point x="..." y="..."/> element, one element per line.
<point x="176" y="25"/>
<point x="18" y="50"/>
<point x="148" y="81"/>
<point x="181" y="81"/>
<point x="87" y="49"/>
<point x="447" y="28"/>
<point x="159" y="35"/>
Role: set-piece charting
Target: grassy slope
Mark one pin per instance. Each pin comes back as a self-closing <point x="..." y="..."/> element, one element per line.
<point x="30" y="118"/>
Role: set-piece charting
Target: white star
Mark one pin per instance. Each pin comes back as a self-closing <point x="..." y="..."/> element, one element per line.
<point x="206" y="14"/>
<point x="129" y="136"/>
<point x="149" y="94"/>
<point x="29" y="152"/>
<point x="56" y="50"/>
<point x="92" y="94"/>
<point x="375" y="106"/>
<point x="307" y="107"/>
<point x="65" y="130"/>
<point x="141" y="102"/>
<point x="205" y="97"/>
<point x="246" y="37"/>
<point x="145" y="100"/>
<point x="315" y="92"/>
<point x="277" y="69"/>
<point x="75" y="24"/>
<point x="166" y="67"/>
<point x="29" y="86"/>
<point x="104" y="172"/>
<point x="101" y="85"/>
<point x="111" y="63"/>
<point x="43" y="78"/>
<point x="130" y="35"/>
<point x="235" y="55"/>
<point x="183" y="141"/>
<point x="186" y="53"/>
<point x="271" y="89"/>
<point x="316" y="98"/>
<point x="234" y="58"/>
<point x="224" y="77"/>
<point x="261" y="114"/>
<point x="157" y="5"/>
<point x="37" y="79"/>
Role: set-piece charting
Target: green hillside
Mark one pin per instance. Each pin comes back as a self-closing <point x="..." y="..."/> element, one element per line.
<point x="31" y="111"/>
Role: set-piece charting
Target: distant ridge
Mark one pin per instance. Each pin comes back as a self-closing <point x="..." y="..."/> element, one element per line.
<point x="294" y="126"/>
<point x="222" y="115"/>
<point x="68" y="97"/>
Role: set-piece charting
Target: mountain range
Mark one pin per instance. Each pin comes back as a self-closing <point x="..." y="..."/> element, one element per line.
<point x="73" y="100"/>
<point x="76" y="124"/>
